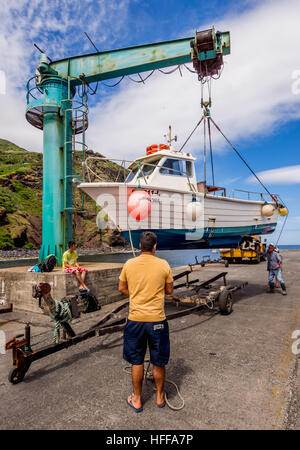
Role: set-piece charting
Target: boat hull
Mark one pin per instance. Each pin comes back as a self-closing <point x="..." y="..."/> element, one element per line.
<point x="178" y="240"/>
<point x="218" y="221"/>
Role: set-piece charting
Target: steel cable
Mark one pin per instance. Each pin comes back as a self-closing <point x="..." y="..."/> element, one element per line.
<point x="191" y="134"/>
<point x="244" y="161"/>
<point x="211" y="153"/>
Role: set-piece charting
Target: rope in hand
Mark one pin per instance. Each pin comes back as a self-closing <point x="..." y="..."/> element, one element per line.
<point x="148" y="375"/>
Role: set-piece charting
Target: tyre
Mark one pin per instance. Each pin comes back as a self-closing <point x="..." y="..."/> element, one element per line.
<point x="225" y="302"/>
<point x="15" y="376"/>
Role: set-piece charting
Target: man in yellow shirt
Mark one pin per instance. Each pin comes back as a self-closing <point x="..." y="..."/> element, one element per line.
<point x="70" y="265"/>
<point x="146" y="279"/>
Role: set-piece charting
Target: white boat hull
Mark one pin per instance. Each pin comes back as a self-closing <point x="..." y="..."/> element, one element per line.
<point x="217" y="221"/>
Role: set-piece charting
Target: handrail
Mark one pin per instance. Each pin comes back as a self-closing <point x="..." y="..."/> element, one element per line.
<point x="261" y="194"/>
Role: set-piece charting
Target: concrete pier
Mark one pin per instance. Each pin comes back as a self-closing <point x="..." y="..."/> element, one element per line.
<point x="16" y="285"/>
<point x="236" y="372"/>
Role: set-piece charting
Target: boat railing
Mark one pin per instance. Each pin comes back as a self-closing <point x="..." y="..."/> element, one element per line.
<point x="125" y="170"/>
<point x="264" y="197"/>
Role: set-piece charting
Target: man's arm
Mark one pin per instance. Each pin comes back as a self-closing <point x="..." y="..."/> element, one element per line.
<point x="65" y="262"/>
<point x="123" y="288"/>
<point x="278" y="261"/>
<point x="169" y="288"/>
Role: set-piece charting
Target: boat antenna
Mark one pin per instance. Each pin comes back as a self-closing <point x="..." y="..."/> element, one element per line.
<point x="169" y="138"/>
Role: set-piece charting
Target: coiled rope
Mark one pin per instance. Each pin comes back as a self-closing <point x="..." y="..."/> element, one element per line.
<point x="62" y="315"/>
<point x="148" y="375"/>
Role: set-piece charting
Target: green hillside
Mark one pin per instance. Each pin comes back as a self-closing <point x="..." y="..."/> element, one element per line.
<point x="21" y="178"/>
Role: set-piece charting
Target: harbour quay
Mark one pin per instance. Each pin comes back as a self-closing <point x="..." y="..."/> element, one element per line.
<point x="236" y="371"/>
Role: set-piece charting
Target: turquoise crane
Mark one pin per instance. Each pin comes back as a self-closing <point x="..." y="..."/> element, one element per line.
<point x="53" y="112"/>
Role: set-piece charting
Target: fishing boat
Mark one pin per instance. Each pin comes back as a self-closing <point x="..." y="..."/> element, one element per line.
<point x="161" y="193"/>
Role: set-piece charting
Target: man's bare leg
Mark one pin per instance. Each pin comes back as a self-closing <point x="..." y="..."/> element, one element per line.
<point x="159" y="374"/>
<point x="137" y="374"/>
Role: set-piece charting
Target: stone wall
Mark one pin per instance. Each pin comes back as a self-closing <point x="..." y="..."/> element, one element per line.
<point x="16" y="286"/>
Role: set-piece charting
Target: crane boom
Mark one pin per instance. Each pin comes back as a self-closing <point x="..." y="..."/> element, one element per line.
<point x="127" y="61"/>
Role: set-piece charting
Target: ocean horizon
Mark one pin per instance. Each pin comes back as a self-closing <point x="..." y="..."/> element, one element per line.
<point x="289" y="247"/>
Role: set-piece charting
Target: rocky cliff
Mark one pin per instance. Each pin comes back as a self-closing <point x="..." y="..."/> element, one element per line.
<point x="21" y="178"/>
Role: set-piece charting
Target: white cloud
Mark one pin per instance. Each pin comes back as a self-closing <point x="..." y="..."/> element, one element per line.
<point x="253" y="95"/>
<point x="57" y="27"/>
<point x="282" y="175"/>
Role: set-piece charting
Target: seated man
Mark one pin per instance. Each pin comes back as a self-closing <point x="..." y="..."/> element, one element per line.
<point x="70" y="265"/>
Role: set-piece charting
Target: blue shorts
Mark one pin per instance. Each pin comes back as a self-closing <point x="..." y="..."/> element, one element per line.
<point x="137" y="335"/>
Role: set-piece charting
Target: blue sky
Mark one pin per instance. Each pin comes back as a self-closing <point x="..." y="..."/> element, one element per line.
<point x="255" y="102"/>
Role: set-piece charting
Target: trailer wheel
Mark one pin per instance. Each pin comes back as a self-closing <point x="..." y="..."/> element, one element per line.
<point x="15" y="375"/>
<point x="225" y="302"/>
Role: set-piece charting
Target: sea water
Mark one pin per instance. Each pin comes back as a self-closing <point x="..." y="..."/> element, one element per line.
<point x="174" y="257"/>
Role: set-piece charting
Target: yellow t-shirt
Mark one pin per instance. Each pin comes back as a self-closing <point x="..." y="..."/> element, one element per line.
<point x="146" y="277"/>
<point x="69" y="258"/>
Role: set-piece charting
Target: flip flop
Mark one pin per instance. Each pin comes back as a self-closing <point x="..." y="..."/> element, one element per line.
<point x="162" y="405"/>
<point x="137" y="410"/>
<point x="83" y="290"/>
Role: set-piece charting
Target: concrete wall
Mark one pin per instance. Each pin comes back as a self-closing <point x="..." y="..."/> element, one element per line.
<point x="16" y="286"/>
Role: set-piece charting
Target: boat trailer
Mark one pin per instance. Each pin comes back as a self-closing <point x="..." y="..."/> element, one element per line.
<point x="197" y="296"/>
<point x="207" y="260"/>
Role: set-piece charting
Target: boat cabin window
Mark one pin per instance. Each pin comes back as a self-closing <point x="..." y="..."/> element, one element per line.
<point x="131" y="175"/>
<point x="147" y="169"/>
<point x="189" y="168"/>
<point x="177" y="167"/>
<point x="172" y="167"/>
<point x="144" y="170"/>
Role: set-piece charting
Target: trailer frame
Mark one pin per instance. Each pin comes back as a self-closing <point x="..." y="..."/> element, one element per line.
<point x="23" y="355"/>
